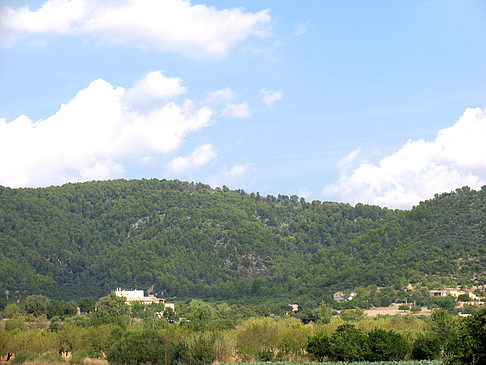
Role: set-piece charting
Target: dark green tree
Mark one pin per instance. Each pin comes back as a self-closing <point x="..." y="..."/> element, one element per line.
<point x="319" y="347"/>
<point x="387" y="345"/>
<point x="139" y="347"/>
<point x="468" y="344"/>
<point x="36" y="305"/>
<point x="348" y="344"/>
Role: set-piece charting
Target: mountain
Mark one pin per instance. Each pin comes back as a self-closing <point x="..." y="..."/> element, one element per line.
<point x="189" y="240"/>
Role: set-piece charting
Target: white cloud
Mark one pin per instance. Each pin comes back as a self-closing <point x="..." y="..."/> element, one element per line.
<point x="419" y="169"/>
<point x="270" y="96"/>
<point x="154" y="88"/>
<point x="301" y="29"/>
<point x="234" y="176"/>
<point x="93" y="135"/>
<point x="222" y="96"/>
<point x="169" y="25"/>
<point x="237" y="110"/>
<point x="200" y="156"/>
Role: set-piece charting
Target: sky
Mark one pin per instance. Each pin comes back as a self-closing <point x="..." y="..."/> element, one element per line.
<point x="375" y="102"/>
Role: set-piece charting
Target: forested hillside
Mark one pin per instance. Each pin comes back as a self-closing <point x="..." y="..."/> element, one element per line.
<point x="189" y="240"/>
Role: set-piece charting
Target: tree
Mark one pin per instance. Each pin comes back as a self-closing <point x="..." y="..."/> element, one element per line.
<point x="468" y="344"/>
<point x="324" y="312"/>
<point x="387" y="345"/>
<point x="139" y="347"/>
<point x="426" y="347"/>
<point x="86" y="305"/>
<point x="111" y="309"/>
<point x="319" y="347"/>
<point x="36" y="305"/>
<point x="348" y="344"/>
<point x="11" y="310"/>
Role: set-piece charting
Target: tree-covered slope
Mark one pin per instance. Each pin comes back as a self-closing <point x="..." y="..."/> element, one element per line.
<point x="188" y="240"/>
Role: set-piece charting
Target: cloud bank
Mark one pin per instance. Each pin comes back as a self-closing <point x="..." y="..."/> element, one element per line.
<point x="420" y="169"/>
<point x="169" y="25"/>
<point x="96" y="133"/>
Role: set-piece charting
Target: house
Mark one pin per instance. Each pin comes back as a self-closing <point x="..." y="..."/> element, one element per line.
<point x="137" y="296"/>
<point x="340" y="297"/>
<point x="295" y="307"/>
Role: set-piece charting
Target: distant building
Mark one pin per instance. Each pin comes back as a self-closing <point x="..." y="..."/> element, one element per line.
<point x="340" y="297"/>
<point x="137" y="296"/>
<point x="295" y="307"/>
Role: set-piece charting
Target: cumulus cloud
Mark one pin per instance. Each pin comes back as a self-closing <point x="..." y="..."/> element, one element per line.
<point x="234" y="176"/>
<point x="169" y="25"/>
<point x="222" y="96"/>
<point x="200" y="156"/>
<point x="270" y="96"/>
<point x="419" y="169"/>
<point x="94" y="134"/>
<point x="237" y="110"/>
<point x="154" y="88"/>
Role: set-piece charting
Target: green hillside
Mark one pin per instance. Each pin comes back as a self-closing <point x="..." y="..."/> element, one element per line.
<point x="188" y="240"/>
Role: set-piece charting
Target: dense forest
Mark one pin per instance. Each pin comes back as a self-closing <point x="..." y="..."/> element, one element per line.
<point x="186" y="240"/>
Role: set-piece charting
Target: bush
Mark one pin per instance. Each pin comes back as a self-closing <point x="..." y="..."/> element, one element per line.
<point x="348" y="344"/>
<point x="468" y="345"/>
<point x="23" y="356"/>
<point x="138" y="347"/>
<point x="404" y="307"/>
<point x="14" y="323"/>
<point x="426" y="347"/>
<point x="318" y="347"/>
<point x="387" y="345"/>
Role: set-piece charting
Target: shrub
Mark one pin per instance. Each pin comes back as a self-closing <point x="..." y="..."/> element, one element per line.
<point x="138" y="347"/>
<point x="387" y="345"/>
<point x="468" y="345"/>
<point x="318" y="347"/>
<point x="14" y="323"/>
<point x="426" y="347"/>
<point x="348" y="344"/>
<point x="23" y="356"/>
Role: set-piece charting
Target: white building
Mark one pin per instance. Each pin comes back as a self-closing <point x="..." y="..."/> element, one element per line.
<point x="137" y="296"/>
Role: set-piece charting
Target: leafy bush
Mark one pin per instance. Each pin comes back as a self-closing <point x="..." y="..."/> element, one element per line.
<point x="387" y="345"/>
<point x="318" y="347"/>
<point x="468" y="345"/>
<point x="348" y="344"/>
<point x="23" y="356"/>
<point x="426" y="347"/>
<point x="14" y="323"/>
<point x="138" y="347"/>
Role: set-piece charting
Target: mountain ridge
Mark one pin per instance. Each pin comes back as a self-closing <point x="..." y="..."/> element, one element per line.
<point x="192" y="241"/>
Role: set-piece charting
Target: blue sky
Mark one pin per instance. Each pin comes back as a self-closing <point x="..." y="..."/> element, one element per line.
<point x="380" y="102"/>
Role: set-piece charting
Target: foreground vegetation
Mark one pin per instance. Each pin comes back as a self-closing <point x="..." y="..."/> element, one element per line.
<point x="202" y="333"/>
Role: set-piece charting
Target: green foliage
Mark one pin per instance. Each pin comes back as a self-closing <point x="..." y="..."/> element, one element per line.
<point x="191" y="241"/>
<point x="426" y="347"/>
<point x="23" y="356"/>
<point x="464" y="298"/>
<point x="324" y="313"/>
<point x="319" y="347"/>
<point x="86" y="305"/>
<point x="111" y="309"/>
<point x="468" y="344"/>
<point x="387" y="345"/>
<point x="139" y="347"/>
<point x="36" y="305"/>
<point x="11" y="310"/>
<point x="15" y="323"/>
<point x="348" y="344"/>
